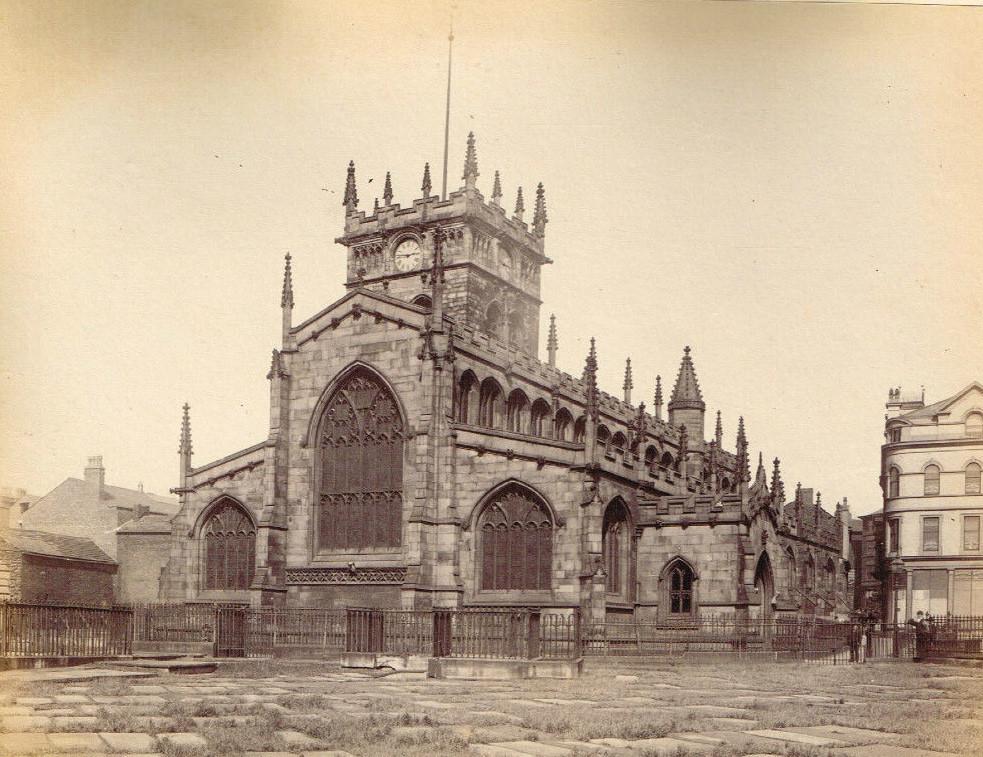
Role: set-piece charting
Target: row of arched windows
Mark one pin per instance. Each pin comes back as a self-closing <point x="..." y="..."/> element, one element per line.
<point x="484" y="404"/>
<point x="806" y="578"/>
<point x="932" y="477"/>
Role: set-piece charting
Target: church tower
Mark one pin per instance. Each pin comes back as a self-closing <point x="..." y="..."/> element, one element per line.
<point x="491" y="261"/>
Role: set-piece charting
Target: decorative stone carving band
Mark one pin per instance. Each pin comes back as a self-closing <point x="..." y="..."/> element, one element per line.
<point x="323" y="576"/>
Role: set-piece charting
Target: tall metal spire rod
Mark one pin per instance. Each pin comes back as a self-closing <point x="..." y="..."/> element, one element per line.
<point x="447" y="113"/>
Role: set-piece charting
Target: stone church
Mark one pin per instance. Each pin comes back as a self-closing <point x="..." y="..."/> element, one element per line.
<point x="421" y="454"/>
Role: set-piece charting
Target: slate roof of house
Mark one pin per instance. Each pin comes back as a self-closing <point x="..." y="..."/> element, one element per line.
<point x="112" y="496"/>
<point x="55" y="545"/>
<point x="931" y="410"/>
<point x="148" y="524"/>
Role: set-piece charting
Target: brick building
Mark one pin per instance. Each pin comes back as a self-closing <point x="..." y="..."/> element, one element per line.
<point x="44" y="568"/>
<point x="92" y="509"/>
<point x="421" y="454"/>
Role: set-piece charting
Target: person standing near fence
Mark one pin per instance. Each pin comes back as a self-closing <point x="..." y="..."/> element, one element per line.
<point x="921" y="634"/>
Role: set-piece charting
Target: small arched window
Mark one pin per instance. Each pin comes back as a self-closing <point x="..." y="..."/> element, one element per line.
<point x="893" y="482"/>
<point x="614" y="547"/>
<point x="932" y="476"/>
<point x="466" y="398"/>
<point x="679" y="584"/>
<point x="666" y="462"/>
<point x="515" y="412"/>
<point x="538" y="415"/>
<point x="620" y="442"/>
<point x="494" y="320"/>
<point x="561" y="428"/>
<point x="603" y="437"/>
<point x="974" y="425"/>
<point x="230" y="548"/>
<point x="490" y="404"/>
<point x="790" y="563"/>
<point x="580" y="430"/>
<point x="725" y="484"/>
<point x="516" y="533"/>
<point x="516" y="330"/>
<point x="651" y="455"/>
<point x="973" y="472"/>
<point x="808" y="582"/>
<point x="423" y="301"/>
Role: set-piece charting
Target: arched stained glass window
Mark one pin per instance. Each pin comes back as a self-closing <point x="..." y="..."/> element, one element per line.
<point x="361" y="486"/>
<point x="516" y="533"/>
<point x="230" y="548"/>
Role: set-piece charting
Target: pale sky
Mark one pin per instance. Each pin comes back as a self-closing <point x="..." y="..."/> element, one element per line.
<point x="793" y="190"/>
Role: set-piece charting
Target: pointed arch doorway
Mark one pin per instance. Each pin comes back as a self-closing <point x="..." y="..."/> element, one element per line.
<point x="764" y="584"/>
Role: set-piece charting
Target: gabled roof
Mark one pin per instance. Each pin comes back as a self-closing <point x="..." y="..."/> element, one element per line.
<point x="935" y="408"/>
<point x="148" y="524"/>
<point x="364" y="292"/>
<point x="112" y="496"/>
<point x="55" y="545"/>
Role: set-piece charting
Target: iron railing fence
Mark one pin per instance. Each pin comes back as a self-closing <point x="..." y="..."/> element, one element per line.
<point x="28" y="630"/>
<point x="161" y="622"/>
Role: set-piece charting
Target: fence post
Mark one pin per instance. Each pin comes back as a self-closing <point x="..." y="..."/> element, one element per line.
<point x="532" y="645"/>
<point x="4" y="628"/>
<point x="578" y="639"/>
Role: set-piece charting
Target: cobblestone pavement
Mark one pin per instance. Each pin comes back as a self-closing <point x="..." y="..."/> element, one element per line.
<point x="898" y="710"/>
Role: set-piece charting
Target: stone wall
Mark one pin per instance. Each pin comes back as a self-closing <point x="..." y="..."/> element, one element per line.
<point x="141" y="558"/>
<point x="71" y="582"/>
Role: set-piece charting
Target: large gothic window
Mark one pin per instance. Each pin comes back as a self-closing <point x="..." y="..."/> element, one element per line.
<point x="361" y="485"/>
<point x="230" y="548"/>
<point x="516" y="533"/>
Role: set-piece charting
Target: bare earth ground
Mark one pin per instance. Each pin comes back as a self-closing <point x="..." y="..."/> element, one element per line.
<point x="624" y="707"/>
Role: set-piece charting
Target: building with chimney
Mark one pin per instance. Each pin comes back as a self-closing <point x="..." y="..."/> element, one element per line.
<point x="421" y="454"/>
<point x="931" y="464"/>
<point x="92" y="509"/>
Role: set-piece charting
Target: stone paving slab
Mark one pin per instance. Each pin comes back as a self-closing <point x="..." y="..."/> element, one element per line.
<point x="796" y="738"/>
<point x="535" y="748"/>
<point x="135" y="743"/>
<point x="668" y="746"/>
<point x="846" y="733"/>
<point x="296" y="738"/>
<point x="890" y="750"/>
<point x="25" y="723"/>
<point x="183" y="739"/>
<point x="24" y="743"/>
<point x="76" y="743"/>
<point x="490" y="750"/>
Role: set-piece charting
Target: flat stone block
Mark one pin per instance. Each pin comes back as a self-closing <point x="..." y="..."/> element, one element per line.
<point x="72" y="699"/>
<point x="138" y="743"/>
<point x="890" y="750"/>
<point x="296" y="738"/>
<point x="183" y="739"/>
<point x="668" y="746"/>
<point x="490" y="750"/>
<point x="76" y="743"/>
<point x="79" y="722"/>
<point x="15" y="710"/>
<point x="25" y="743"/>
<point x="699" y="738"/>
<point x="17" y="723"/>
<point x="535" y="748"/>
<point x="626" y="678"/>
<point x="853" y="735"/>
<point x="330" y="753"/>
<point x="795" y="738"/>
<point x="33" y="701"/>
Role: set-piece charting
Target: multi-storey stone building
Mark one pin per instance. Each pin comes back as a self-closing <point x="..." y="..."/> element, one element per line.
<point x="421" y="454"/>
<point x="931" y="465"/>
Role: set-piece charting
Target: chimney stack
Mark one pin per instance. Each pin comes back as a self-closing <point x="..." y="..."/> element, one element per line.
<point x="95" y="475"/>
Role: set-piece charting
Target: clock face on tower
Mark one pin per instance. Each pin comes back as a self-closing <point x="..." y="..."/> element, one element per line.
<point x="408" y="255"/>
